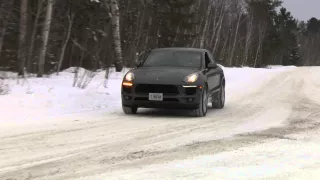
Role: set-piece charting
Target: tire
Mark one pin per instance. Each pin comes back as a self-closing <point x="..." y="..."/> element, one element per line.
<point x="129" y="110"/>
<point x="219" y="102"/>
<point x="203" y="107"/>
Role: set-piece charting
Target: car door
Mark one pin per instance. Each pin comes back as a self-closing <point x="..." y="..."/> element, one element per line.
<point x="215" y="74"/>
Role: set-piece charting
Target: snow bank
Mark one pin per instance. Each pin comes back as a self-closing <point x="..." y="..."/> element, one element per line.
<point x="34" y="98"/>
<point x="239" y="81"/>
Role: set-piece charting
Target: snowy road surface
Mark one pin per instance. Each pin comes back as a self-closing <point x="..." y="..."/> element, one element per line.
<point x="269" y="129"/>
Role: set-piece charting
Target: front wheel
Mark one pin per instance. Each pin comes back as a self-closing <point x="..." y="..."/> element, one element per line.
<point x="129" y="110"/>
<point x="203" y="106"/>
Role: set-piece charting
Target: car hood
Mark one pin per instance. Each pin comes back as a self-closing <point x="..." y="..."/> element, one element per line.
<point x="161" y="75"/>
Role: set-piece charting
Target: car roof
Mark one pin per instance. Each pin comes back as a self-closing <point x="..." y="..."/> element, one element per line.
<point x="180" y="49"/>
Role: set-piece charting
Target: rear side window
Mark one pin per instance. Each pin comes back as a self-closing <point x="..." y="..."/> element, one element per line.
<point x="174" y="59"/>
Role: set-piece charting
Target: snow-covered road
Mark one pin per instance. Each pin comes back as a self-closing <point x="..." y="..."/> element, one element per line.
<point x="269" y="129"/>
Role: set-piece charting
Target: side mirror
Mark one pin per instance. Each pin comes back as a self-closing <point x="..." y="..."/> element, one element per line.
<point x="212" y="65"/>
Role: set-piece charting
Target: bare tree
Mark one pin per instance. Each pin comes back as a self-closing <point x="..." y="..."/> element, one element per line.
<point x="206" y="24"/>
<point x="235" y="40"/>
<point x="116" y="34"/>
<point x="220" y="24"/>
<point x="22" y="36"/>
<point x="64" y="45"/>
<point x="248" y="39"/>
<point x="6" y="8"/>
<point x="45" y="37"/>
<point x="262" y="28"/>
<point x="34" y="33"/>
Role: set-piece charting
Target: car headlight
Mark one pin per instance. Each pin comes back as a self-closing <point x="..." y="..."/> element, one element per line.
<point x="192" y="78"/>
<point x="129" y="76"/>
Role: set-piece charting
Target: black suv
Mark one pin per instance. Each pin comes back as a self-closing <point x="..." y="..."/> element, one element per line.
<point x="175" y="78"/>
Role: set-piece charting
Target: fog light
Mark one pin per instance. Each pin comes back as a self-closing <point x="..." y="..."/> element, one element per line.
<point x="126" y="97"/>
<point x="190" y="99"/>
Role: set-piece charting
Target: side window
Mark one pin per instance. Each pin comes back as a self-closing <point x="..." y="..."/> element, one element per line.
<point x="207" y="60"/>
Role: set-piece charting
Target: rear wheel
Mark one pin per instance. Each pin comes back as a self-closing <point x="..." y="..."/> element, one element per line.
<point x="203" y="106"/>
<point x="219" y="102"/>
<point x="129" y="110"/>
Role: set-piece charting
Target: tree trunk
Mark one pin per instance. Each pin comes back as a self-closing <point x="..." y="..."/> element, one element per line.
<point x="6" y="8"/>
<point x="204" y="32"/>
<point x="45" y="38"/>
<point x="215" y="23"/>
<point x="248" y="40"/>
<point x="224" y="47"/>
<point x="198" y="28"/>
<point x="146" y="43"/>
<point x="215" y="47"/>
<point x="33" y="36"/>
<point x="262" y="30"/>
<point x="116" y="35"/>
<point x="257" y="55"/>
<point x="235" y="40"/>
<point x="65" y="43"/>
<point x="22" y="37"/>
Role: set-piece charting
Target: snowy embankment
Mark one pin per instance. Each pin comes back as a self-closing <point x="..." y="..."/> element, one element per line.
<point x="36" y="98"/>
<point x="55" y="95"/>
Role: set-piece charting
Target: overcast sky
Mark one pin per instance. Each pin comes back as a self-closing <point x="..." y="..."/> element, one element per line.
<point x="303" y="9"/>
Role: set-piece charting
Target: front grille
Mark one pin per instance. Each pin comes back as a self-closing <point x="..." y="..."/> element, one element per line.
<point x="155" y="88"/>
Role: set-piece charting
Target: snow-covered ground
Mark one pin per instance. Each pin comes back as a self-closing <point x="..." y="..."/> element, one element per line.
<point x="35" y="98"/>
<point x="269" y="129"/>
<point x="277" y="160"/>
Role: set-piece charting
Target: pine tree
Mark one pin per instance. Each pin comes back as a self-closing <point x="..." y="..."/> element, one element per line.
<point x="288" y="31"/>
<point x="313" y="25"/>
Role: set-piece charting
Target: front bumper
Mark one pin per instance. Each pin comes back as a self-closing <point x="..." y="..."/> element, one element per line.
<point x="184" y="97"/>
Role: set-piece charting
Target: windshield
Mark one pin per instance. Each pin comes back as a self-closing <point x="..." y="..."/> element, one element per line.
<point x="174" y="59"/>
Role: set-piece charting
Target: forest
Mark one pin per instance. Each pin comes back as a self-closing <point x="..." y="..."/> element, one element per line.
<point x="47" y="36"/>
